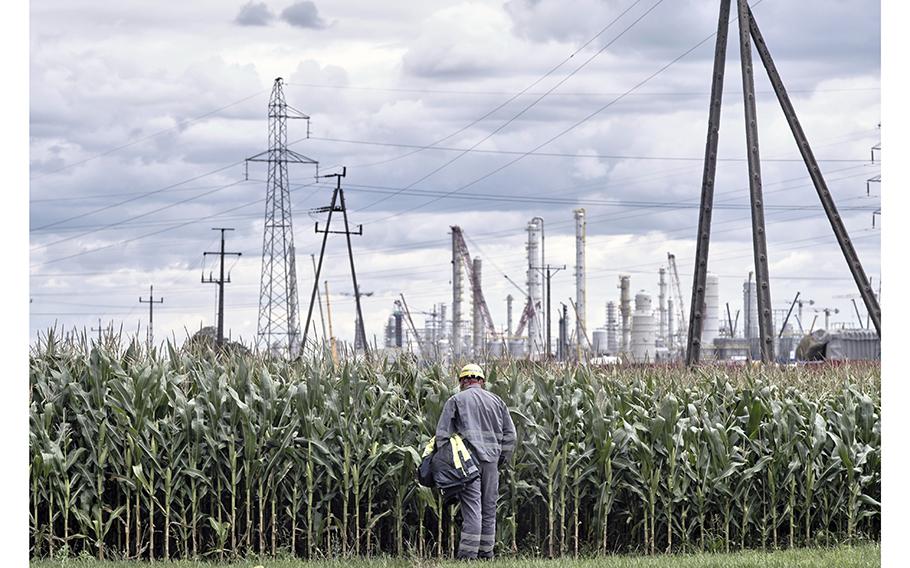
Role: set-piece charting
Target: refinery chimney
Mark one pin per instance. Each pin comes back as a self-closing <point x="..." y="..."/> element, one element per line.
<point x="478" y="312"/>
<point x="535" y="291"/>
<point x="581" y="319"/>
<point x="457" y="294"/>
<point x="509" y="299"/>
<point x="662" y="307"/>
<point x="625" y="312"/>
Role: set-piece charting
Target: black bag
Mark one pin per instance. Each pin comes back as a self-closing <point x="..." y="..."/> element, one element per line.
<point x="425" y="472"/>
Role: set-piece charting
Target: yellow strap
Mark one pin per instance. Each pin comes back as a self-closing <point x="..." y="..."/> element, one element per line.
<point x="456" y="455"/>
<point x="429" y="449"/>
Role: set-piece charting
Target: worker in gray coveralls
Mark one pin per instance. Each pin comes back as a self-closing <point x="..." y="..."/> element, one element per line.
<point x="482" y="419"/>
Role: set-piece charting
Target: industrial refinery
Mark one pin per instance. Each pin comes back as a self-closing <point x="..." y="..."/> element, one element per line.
<point x="646" y="321"/>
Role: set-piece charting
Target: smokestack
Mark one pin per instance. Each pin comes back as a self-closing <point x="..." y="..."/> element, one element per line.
<point x="535" y="342"/>
<point x="509" y="299"/>
<point x="442" y="322"/>
<point x="457" y="293"/>
<point x="581" y="319"/>
<point x="670" y="331"/>
<point x="625" y="311"/>
<point x="662" y="306"/>
<point x="478" y="315"/>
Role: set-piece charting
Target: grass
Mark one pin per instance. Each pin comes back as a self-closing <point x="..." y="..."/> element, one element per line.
<point x="861" y="556"/>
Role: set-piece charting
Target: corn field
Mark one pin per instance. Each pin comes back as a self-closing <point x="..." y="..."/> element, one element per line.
<point x="168" y="453"/>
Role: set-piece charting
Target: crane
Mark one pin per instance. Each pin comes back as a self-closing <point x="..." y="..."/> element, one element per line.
<point x="403" y="305"/>
<point x="465" y="257"/>
<point x="671" y="261"/>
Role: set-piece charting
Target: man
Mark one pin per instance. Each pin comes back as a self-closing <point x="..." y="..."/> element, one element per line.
<point x="482" y="419"/>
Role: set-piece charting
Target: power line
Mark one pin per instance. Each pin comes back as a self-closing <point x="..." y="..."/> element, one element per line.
<point x="130" y="200"/>
<point x="563" y="132"/>
<point x="563" y="94"/>
<point x="140" y="216"/>
<point x="166" y="229"/>
<point x="533" y="103"/>
<point x="568" y="154"/>
<point x="148" y="137"/>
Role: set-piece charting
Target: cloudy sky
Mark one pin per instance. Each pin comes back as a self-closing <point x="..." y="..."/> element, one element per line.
<point x="142" y="114"/>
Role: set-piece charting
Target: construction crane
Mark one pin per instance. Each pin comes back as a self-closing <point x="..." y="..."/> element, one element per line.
<point x="684" y="327"/>
<point x="403" y="306"/>
<point x="465" y="257"/>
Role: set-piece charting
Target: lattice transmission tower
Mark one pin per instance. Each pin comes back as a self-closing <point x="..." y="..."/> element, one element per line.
<point x="278" y="328"/>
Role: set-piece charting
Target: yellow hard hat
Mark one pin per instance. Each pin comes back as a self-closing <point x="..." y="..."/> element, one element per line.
<point x="470" y="371"/>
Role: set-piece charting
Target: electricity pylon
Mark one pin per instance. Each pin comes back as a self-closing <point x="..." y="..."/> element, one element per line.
<point x="278" y="327"/>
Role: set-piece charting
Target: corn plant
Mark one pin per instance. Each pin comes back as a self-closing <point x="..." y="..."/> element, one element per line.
<point x="184" y="452"/>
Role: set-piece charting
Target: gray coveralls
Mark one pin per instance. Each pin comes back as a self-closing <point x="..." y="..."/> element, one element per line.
<point x="482" y="419"/>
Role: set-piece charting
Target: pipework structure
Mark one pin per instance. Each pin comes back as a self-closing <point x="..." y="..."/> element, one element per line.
<point x="749" y="33"/>
<point x="278" y="326"/>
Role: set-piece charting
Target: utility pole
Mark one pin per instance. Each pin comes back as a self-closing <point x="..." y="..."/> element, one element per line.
<point x="858" y="317"/>
<point x="337" y="205"/>
<point x="318" y="297"/>
<point x="548" y="271"/>
<point x="789" y="312"/>
<point x="221" y="281"/>
<point x="151" y="302"/>
<point x="99" y="329"/>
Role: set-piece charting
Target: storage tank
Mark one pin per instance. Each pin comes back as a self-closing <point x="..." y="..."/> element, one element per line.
<point x="518" y="348"/>
<point x="644" y="329"/>
<point x="600" y="341"/>
<point x="495" y="348"/>
<point x="710" y="323"/>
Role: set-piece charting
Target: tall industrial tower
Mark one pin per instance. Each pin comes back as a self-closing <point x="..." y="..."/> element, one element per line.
<point x="279" y="318"/>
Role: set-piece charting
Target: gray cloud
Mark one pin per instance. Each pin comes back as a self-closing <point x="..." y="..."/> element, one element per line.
<point x="95" y="88"/>
<point x="303" y="15"/>
<point x="254" y="14"/>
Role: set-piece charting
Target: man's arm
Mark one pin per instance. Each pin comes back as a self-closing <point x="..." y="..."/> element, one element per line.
<point x="508" y="436"/>
<point x="446" y="425"/>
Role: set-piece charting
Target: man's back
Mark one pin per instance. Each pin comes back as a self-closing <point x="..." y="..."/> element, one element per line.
<point x="482" y="419"/>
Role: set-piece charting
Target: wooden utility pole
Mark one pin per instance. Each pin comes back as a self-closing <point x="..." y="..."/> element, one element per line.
<point x="750" y="34"/>
<point x="151" y="302"/>
<point x="221" y="281"/>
